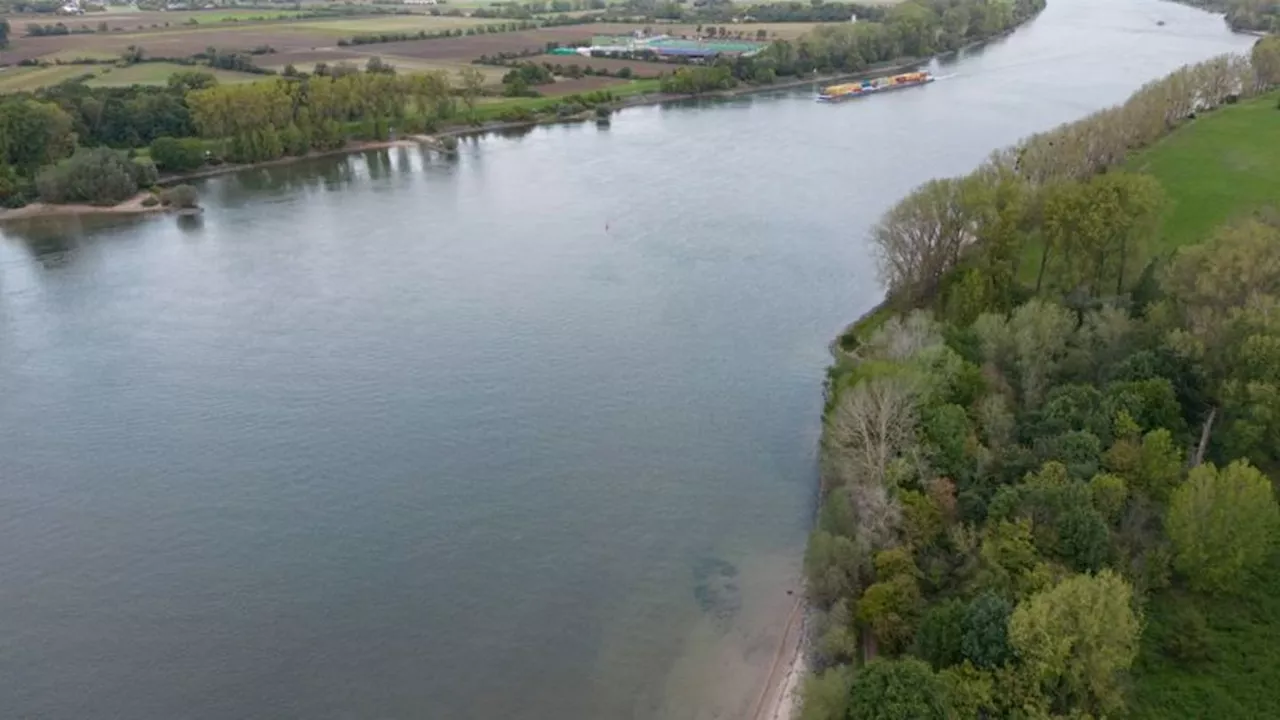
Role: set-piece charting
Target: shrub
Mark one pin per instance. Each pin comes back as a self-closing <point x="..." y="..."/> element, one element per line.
<point x="150" y="201"/>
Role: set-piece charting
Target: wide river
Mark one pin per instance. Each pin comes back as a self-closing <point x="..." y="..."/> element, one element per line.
<point x="527" y="433"/>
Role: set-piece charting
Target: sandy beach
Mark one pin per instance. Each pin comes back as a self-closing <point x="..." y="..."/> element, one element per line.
<point x="132" y="206"/>
<point x="781" y="695"/>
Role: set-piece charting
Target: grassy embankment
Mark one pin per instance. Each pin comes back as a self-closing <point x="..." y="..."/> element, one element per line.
<point x="1222" y="166"/>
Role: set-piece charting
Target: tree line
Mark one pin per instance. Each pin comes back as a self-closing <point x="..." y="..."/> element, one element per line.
<point x="1245" y="15"/>
<point x="907" y="30"/>
<point x="1014" y="459"/>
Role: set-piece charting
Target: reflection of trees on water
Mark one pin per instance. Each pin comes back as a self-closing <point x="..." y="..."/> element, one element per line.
<point x="191" y="225"/>
<point x="511" y="133"/>
<point x="319" y="175"/>
<point x="54" y="241"/>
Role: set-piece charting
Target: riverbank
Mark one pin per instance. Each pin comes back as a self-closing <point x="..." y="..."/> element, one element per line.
<point x="133" y="206"/>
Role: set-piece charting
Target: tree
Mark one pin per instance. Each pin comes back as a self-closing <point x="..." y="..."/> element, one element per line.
<point x="1222" y="524"/>
<point x="1109" y="493"/>
<point x="177" y="155"/>
<point x="833" y="567"/>
<point x="1077" y="638"/>
<point x="872" y="422"/>
<point x="1266" y="61"/>
<point x="33" y="134"/>
<point x="182" y="197"/>
<point x="891" y="607"/>
<point x="941" y="632"/>
<point x="1098" y="229"/>
<point x="921" y="238"/>
<point x="185" y="81"/>
<point x="471" y="82"/>
<point x="984" y="631"/>
<point x="1159" y="465"/>
<point x="904" y="689"/>
<point x="825" y="695"/>
<point x="376" y="65"/>
<point x="970" y="691"/>
<point x="1029" y="345"/>
<point x="1221" y="293"/>
<point x="1009" y="562"/>
<point x="4" y="33"/>
<point x="836" y="636"/>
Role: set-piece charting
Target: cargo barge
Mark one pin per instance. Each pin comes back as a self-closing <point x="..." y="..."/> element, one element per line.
<point x="834" y="93"/>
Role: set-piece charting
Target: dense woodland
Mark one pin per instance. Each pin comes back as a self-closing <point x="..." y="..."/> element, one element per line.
<point x="1049" y="425"/>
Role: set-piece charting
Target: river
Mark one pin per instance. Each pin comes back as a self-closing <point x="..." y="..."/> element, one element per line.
<point x="526" y="433"/>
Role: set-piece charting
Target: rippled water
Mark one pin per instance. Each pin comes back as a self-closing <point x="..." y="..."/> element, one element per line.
<point x="528" y="433"/>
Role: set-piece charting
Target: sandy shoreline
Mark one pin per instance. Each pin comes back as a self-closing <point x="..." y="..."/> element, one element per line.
<point x="132" y="206"/>
<point x="780" y="698"/>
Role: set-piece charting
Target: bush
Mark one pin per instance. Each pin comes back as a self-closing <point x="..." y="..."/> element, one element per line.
<point x="150" y="201"/>
<point x="100" y="176"/>
<point x="625" y="73"/>
<point x="183" y="197"/>
<point x="518" y="114"/>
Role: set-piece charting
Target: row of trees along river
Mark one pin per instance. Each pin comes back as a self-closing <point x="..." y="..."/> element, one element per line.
<point x="1048" y="422"/>
<point x="1245" y="15"/>
<point x="321" y="111"/>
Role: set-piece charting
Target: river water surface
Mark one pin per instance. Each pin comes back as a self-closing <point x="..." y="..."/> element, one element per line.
<point x="528" y="433"/>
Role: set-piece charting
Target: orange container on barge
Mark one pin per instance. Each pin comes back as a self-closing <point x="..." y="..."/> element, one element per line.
<point x="845" y="91"/>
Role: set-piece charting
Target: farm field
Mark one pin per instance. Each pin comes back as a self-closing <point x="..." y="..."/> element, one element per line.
<point x="158" y="74"/>
<point x="346" y="27"/>
<point x="206" y="17"/>
<point x="305" y="62"/>
<point x="305" y="42"/>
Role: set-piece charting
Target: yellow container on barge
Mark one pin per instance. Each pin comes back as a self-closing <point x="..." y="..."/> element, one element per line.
<point x="844" y="91"/>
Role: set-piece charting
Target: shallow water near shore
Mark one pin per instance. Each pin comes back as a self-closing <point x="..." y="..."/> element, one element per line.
<point x="528" y="432"/>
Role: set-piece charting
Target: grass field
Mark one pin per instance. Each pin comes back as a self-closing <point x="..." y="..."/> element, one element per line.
<point x="158" y="74"/>
<point x="204" y="17"/>
<point x="78" y="53"/>
<point x="1239" y="654"/>
<point x="24" y="79"/>
<point x="345" y="27"/>
<point x="1221" y="166"/>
